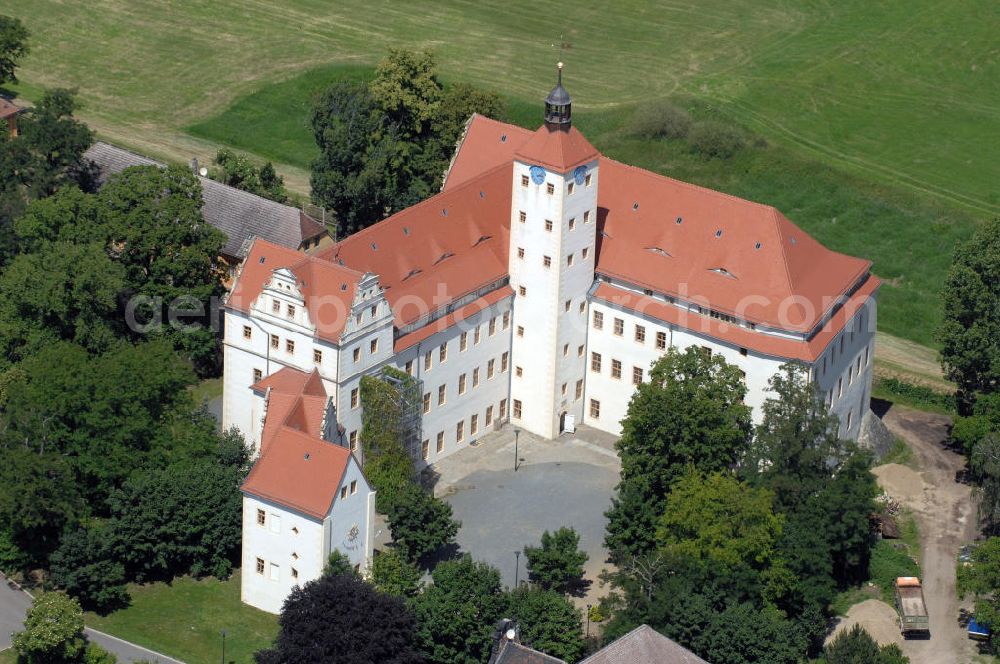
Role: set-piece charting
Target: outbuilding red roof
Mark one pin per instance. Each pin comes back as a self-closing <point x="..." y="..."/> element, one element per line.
<point x="296" y="468"/>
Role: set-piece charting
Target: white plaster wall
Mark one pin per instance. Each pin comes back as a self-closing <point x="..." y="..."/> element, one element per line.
<point x="355" y="509"/>
<point x="848" y="361"/>
<point x="615" y="394"/>
<point x="541" y="311"/>
<point x="275" y="543"/>
<point x="461" y="407"/>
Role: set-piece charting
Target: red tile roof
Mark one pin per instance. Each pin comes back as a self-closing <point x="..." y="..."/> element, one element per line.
<point x="735" y="335"/>
<point x="560" y="149"/>
<point x="438" y="250"/>
<point x="296" y="407"/>
<point x="711" y="257"/>
<point x="443" y="323"/>
<point x="327" y="288"/>
<point x="299" y="471"/>
<point x="8" y="109"/>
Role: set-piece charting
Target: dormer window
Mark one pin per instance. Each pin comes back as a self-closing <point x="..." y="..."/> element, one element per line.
<point x="291" y="311"/>
<point x="275" y="306"/>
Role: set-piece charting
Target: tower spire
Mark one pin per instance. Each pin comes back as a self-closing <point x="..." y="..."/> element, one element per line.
<point x="558" y="105"/>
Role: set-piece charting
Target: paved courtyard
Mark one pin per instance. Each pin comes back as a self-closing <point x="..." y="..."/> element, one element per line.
<point x="564" y="482"/>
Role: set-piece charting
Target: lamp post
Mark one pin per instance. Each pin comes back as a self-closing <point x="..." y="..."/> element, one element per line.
<point x="517" y="432"/>
<point x="588" y="621"/>
<point x="223" y="632"/>
<point x="517" y="566"/>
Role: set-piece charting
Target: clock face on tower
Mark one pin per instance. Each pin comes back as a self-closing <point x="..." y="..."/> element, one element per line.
<point x="537" y="174"/>
<point x="580" y="174"/>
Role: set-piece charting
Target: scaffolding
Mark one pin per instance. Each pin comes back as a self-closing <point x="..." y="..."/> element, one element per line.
<point x="409" y="404"/>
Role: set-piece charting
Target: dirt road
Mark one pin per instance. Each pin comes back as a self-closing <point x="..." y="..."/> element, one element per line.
<point x="947" y="519"/>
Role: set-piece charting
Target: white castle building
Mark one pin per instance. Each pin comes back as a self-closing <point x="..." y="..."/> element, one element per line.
<point x="538" y="287"/>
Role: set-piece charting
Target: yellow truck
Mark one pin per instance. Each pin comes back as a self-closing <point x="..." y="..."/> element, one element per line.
<point x="913" y="618"/>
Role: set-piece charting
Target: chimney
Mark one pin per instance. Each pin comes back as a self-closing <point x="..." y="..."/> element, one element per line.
<point x="194" y="165"/>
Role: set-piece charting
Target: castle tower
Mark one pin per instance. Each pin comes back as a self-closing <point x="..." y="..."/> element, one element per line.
<point x="553" y="231"/>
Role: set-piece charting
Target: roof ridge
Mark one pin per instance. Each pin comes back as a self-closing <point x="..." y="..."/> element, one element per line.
<point x="784" y="252"/>
<point x="688" y="185"/>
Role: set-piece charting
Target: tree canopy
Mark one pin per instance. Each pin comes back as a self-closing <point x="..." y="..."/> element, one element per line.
<point x="385" y="145"/>
<point x="558" y="562"/>
<point x="691" y="412"/>
<point x="13" y="47"/>
<point x="342" y="620"/>
<point x="236" y="170"/>
<point x="53" y="631"/>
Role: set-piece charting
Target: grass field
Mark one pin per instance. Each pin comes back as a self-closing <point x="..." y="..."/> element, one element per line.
<point x="880" y="117"/>
<point x="184" y="619"/>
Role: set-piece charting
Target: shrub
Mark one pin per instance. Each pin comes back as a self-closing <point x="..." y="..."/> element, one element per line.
<point x="660" y="120"/>
<point x="715" y="140"/>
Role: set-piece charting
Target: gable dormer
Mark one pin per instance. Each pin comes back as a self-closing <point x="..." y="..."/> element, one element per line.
<point x="282" y="300"/>
<point x="369" y="307"/>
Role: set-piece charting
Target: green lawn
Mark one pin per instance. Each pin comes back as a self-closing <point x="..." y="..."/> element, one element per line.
<point x="206" y="390"/>
<point x="8" y="656"/>
<point x="879" y="118"/>
<point x="184" y="620"/>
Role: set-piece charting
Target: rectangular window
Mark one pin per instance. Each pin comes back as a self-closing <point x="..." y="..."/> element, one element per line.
<point x="274" y="341"/>
<point x="442" y="394"/>
<point x="493" y="326"/>
<point x="440" y="441"/>
<point x="343" y="492"/>
<point x="504" y="361"/>
<point x="354" y="487"/>
<point x="569" y="261"/>
<point x="506" y="320"/>
<point x="546" y="261"/>
<point x="565" y="350"/>
<point x="840" y="387"/>
<point x="247" y="332"/>
<point x="289" y="346"/>
<point x="598" y="320"/>
<point x="373" y="310"/>
<point x="619" y="327"/>
<point x="706" y="351"/>
<point x="275" y="307"/>
<point x="409" y="367"/>
<point x="275" y="572"/>
<point x="550" y="189"/>
<point x="427" y="361"/>
<point x="463" y="342"/>
<point x="489" y="415"/>
<point x="522" y="291"/>
<point x="291" y="311"/>
<point x="257" y="375"/>
<point x="586" y="180"/>
<point x="356" y="355"/>
<point x="636" y="376"/>
<point x="427" y="402"/>
<point x="595" y="409"/>
<point x="520" y="330"/>
<point x="586" y="252"/>
<point x="475" y="336"/>
<point x="373" y="346"/>
<point x="548" y="225"/>
<point x="353" y="440"/>
<point x="295" y="573"/>
<point x="317" y="356"/>
<point x="443" y="352"/>
<point x="563" y="389"/>
<point x="524" y="180"/>
<point x="570" y="187"/>
<point x="595" y="362"/>
<point x="661" y="340"/>
<point x="518" y="371"/>
<point x="260" y="566"/>
<point x="579" y="350"/>
<point x="616" y="368"/>
<point x="567" y="304"/>
<point x="579" y="390"/>
<point x="522" y="217"/>
<point x="520" y="252"/>
<point x="261" y="518"/>
<point x="473" y="425"/>
<point x="475" y="377"/>
<point x="572" y="223"/>
<point x="490" y="369"/>
<point x="850" y="419"/>
<point x="503" y="409"/>
<point x="354" y="398"/>
<point x="425" y="449"/>
<point x="517" y="409"/>
<point x="640" y="334"/>
<point x="460" y="432"/>
<point x="461" y="384"/>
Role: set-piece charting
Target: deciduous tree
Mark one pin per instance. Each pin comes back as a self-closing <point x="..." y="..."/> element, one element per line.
<point x="558" y="562"/>
<point x="420" y="523"/>
<point x="393" y="574"/>
<point x="53" y="631"/>
<point x="85" y="567"/>
<point x="342" y="620"/>
<point x="856" y="646"/>
<point x="13" y="47"/>
<point x="691" y="412"/>
<point x="548" y="621"/>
